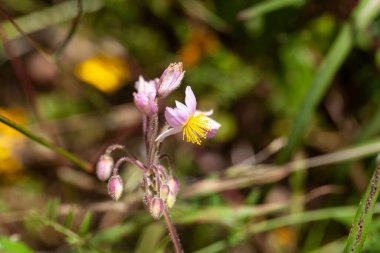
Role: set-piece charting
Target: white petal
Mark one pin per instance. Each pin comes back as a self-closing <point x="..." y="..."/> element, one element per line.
<point x="167" y="133"/>
<point x="207" y="113"/>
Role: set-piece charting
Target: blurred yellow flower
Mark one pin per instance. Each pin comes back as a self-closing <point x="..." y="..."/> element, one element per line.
<point x="285" y="236"/>
<point x="10" y="141"/>
<point x="106" y="73"/>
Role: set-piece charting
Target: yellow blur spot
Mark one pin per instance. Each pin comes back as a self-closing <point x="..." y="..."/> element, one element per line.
<point x="285" y="236"/>
<point x="106" y="73"/>
<point x="11" y="141"/>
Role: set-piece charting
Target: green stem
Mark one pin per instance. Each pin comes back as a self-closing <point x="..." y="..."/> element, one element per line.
<point x="364" y="213"/>
<point x="66" y="154"/>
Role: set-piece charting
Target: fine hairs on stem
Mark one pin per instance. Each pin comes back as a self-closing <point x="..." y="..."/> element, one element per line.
<point x="159" y="184"/>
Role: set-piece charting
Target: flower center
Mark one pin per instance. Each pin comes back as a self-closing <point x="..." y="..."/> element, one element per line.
<point x="196" y="128"/>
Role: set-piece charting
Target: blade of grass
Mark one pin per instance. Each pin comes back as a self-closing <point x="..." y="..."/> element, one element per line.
<point x="336" y="213"/>
<point x="72" y="30"/>
<point x="366" y="11"/>
<point x="219" y="246"/>
<point x="364" y="214"/>
<point x="66" y="154"/>
<point x="363" y="14"/>
<point x="271" y="173"/>
<point x="231" y="216"/>
<point x="266" y="7"/>
<point x="49" y="16"/>
<point x="335" y="57"/>
<point x="151" y="236"/>
<point x="198" y="10"/>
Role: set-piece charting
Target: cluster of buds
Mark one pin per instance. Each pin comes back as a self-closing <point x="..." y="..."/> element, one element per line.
<point x="159" y="184"/>
<point x="160" y="190"/>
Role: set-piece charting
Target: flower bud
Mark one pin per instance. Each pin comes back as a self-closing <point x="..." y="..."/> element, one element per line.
<point x="104" y="167"/>
<point x="156" y="208"/>
<point x="148" y="196"/>
<point x="145" y="104"/>
<point x="170" y="201"/>
<point x="115" y="187"/>
<point x="173" y="184"/>
<point x="170" y="79"/>
<point x="164" y="192"/>
<point x="145" y="96"/>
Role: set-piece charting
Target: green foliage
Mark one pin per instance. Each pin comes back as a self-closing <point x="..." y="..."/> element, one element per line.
<point x="8" y="245"/>
<point x="77" y="238"/>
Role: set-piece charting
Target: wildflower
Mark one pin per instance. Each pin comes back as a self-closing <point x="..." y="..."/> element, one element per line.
<point x="146" y="95"/>
<point x="195" y="125"/>
<point x="170" y="79"/>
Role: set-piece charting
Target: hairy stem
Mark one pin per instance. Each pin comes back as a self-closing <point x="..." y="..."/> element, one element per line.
<point x="172" y="232"/>
<point x="113" y="147"/>
<point x="125" y="160"/>
<point x="66" y="154"/>
<point x="153" y="126"/>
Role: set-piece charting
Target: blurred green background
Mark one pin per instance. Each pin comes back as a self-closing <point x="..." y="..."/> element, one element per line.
<point x="294" y="83"/>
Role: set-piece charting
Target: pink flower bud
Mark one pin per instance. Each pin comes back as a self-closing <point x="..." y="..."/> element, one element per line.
<point x="164" y="192"/>
<point x="173" y="184"/>
<point x="145" y="104"/>
<point x="170" y="201"/>
<point x="145" y="96"/>
<point x="104" y="167"/>
<point x="170" y="79"/>
<point x="148" y="196"/>
<point x="156" y="208"/>
<point x="115" y="187"/>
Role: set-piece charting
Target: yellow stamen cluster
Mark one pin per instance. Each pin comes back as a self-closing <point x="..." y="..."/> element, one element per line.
<point x="196" y="128"/>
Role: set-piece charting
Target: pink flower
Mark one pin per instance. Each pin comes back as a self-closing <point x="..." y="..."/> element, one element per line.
<point x="170" y="79"/>
<point x="146" y="96"/>
<point x="195" y="125"/>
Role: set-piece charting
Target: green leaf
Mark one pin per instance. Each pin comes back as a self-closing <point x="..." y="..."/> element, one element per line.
<point x="364" y="214"/>
<point x="85" y="226"/>
<point x="51" y="210"/>
<point x="12" y="246"/>
<point x="69" y="219"/>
